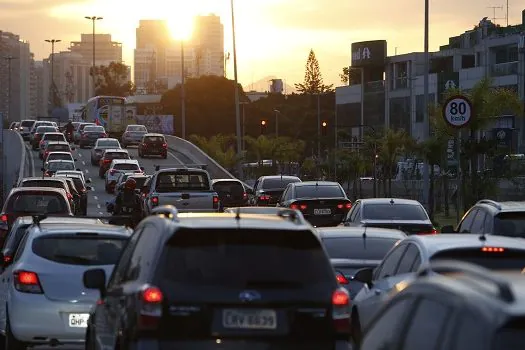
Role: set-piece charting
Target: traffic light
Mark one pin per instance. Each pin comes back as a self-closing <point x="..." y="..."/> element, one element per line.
<point x="264" y="123"/>
<point x="324" y="128"/>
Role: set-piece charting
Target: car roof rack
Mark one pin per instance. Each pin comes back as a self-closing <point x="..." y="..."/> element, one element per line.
<point x="453" y="266"/>
<point x="180" y="167"/>
<point x="167" y="211"/>
<point x="490" y="202"/>
<point x="118" y="220"/>
<point x="293" y="215"/>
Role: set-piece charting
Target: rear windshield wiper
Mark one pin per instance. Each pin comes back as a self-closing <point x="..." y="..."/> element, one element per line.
<point x="74" y="259"/>
<point x="272" y="284"/>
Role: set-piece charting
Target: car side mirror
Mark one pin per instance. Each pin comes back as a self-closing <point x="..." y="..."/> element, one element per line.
<point x="448" y="229"/>
<point x="364" y="276"/>
<point x="95" y="279"/>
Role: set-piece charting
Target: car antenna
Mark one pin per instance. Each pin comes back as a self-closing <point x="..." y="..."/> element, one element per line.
<point x="482" y="237"/>
<point x="238" y="214"/>
<point x="364" y="237"/>
<point x="391" y="200"/>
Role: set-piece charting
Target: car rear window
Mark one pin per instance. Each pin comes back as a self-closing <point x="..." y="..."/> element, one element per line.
<point x="135" y="128"/>
<point x="510" y="224"/>
<point x="79" y="250"/>
<point x="277" y="183"/>
<point x="125" y="166"/>
<point x="507" y="259"/>
<point x="44" y="129"/>
<point x="239" y="258"/>
<point x="116" y="155"/>
<point x="108" y="143"/>
<point x="174" y="181"/>
<point x="228" y="187"/>
<point x="154" y="139"/>
<point x="58" y="148"/>
<point x="318" y="192"/>
<point x="394" y="212"/>
<point x="26" y="123"/>
<point x="94" y="128"/>
<point x="54" y="137"/>
<point x="43" y="183"/>
<point x="37" y="202"/>
<point x="59" y="156"/>
<point x="371" y="248"/>
<point x="53" y="166"/>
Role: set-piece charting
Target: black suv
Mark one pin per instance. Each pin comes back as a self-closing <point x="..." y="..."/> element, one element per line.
<point x="195" y="280"/>
<point x="491" y="217"/>
<point x="473" y="308"/>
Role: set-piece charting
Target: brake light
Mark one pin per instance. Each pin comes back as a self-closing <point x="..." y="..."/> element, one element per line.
<point x="155" y="200"/>
<point x="341" y="311"/>
<point x="145" y="145"/>
<point x="294" y="206"/>
<point x="264" y="197"/>
<point x="4" y="217"/>
<point x="244" y="195"/>
<point x="164" y="145"/>
<point x="69" y="196"/>
<point x="150" y="309"/>
<point x="299" y="206"/>
<point x="492" y="250"/>
<point x="341" y="279"/>
<point x="107" y="161"/>
<point x="431" y="232"/>
<point x="215" y="202"/>
<point x="27" y="282"/>
<point x="7" y="259"/>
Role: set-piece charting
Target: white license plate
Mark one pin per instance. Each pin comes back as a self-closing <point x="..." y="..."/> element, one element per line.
<point x="322" y="211"/>
<point x="78" y="320"/>
<point x="249" y="319"/>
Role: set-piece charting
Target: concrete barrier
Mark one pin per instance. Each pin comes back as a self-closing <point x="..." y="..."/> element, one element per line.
<point x="15" y="159"/>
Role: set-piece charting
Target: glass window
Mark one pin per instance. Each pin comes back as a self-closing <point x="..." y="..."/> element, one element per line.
<point x="421" y="333"/>
<point x="58" y="165"/>
<point x="116" y="155"/>
<point x="37" y="202"/>
<point x="229" y="187"/>
<point x="508" y="259"/>
<point x="58" y="148"/>
<point x="467" y="221"/>
<point x="469" y="334"/>
<point x="318" y="192"/>
<point x="510" y="224"/>
<point x="79" y="250"/>
<point x="54" y="137"/>
<point x="278" y="183"/>
<point x="108" y="143"/>
<point x="126" y="166"/>
<point x="406" y="264"/>
<point x="371" y="248"/>
<point x="479" y="221"/>
<point x="59" y="156"/>
<point x="94" y="128"/>
<point x="137" y="128"/>
<point x="154" y="139"/>
<point x="14" y="238"/>
<point x="176" y="181"/>
<point x="394" y="212"/>
<point x="43" y="183"/>
<point x="389" y="265"/>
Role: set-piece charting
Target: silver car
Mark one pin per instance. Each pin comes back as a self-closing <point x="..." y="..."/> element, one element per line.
<point x="133" y="135"/>
<point x="42" y="297"/>
<point x="100" y="146"/>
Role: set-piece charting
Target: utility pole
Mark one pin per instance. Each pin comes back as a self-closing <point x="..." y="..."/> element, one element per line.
<point x="53" y="86"/>
<point x="93" y="19"/>
<point x="183" y="90"/>
<point x="237" y="107"/>
<point x="426" y="124"/>
<point x="507" y="15"/>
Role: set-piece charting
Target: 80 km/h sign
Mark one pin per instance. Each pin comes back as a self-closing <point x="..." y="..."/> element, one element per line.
<point x="457" y="111"/>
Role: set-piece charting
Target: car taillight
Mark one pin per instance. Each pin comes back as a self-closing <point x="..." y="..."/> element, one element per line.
<point x="341" y="310"/>
<point x="27" y="282"/>
<point x="492" y="250"/>
<point x="215" y="202"/>
<point x="431" y="232"/>
<point x="46" y="153"/>
<point x="299" y="206"/>
<point x="145" y="145"/>
<point x="69" y="196"/>
<point x="4" y="218"/>
<point x="107" y="161"/>
<point x="7" y="258"/>
<point x="341" y="279"/>
<point x="264" y="197"/>
<point x="150" y="311"/>
<point x="346" y="206"/>
<point x="155" y="201"/>
<point x="41" y="143"/>
<point x="164" y="145"/>
<point x="244" y="195"/>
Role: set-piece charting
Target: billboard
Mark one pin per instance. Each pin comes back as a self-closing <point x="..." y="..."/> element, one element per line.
<point x="369" y="53"/>
<point x="446" y="81"/>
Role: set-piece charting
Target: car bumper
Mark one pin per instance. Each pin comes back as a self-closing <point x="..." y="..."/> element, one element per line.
<point x="35" y="319"/>
<point x="131" y="141"/>
<point x="324" y="220"/>
<point x="239" y="344"/>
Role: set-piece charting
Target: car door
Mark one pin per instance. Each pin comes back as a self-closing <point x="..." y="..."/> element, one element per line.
<point x="369" y="299"/>
<point x="466" y="222"/>
<point x="478" y="224"/>
<point x="353" y="216"/>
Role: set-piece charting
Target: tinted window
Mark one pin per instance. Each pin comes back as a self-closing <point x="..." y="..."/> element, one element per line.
<point x="58" y="148"/>
<point x="108" y="143"/>
<point x="94" y="129"/>
<point x="14" y="238"/>
<point x="43" y="183"/>
<point x="26" y="123"/>
<point x="277" y="183"/>
<point x="59" y="156"/>
<point x="389" y="265"/>
<point x="140" y="181"/>
<point x="44" y="129"/>
<point x="318" y="192"/>
<point x="79" y="184"/>
<point x="421" y="333"/>
<point x="79" y="250"/>
<point x="512" y="259"/>
<point x="154" y="139"/>
<point x="170" y="182"/>
<point x="54" y="137"/>
<point x="510" y="224"/>
<point x="228" y="187"/>
<point x="61" y="166"/>
<point x="479" y="221"/>
<point x="382" y="334"/>
<point x="394" y="212"/>
<point x="469" y="334"/>
<point x="135" y="128"/>
<point x="358" y="248"/>
<point x="116" y="155"/>
<point x="407" y="262"/>
<point x="467" y="222"/>
<point x="37" y="202"/>
<point x="124" y="166"/>
<point x="510" y="337"/>
<point x="233" y="258"/>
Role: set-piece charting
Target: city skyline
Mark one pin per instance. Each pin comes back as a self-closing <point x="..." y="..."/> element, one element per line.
<point x="274" y="42"/>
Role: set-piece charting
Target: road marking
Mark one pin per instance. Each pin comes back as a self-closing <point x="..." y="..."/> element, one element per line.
<point x="95" y="198"/>
<point x="176" y="158"/>
<point x="98" y="206"/>
<point x="87" y="171"/>
<point x="79" y="154"/>
<point x="83" y="163"/>
<point x="101" y="213"/>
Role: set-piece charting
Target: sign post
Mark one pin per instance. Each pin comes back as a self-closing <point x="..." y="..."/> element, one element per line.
<point x="457" y="113"/>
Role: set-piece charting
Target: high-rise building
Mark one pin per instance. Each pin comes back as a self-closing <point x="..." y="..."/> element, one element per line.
<point x="151" y="36"/>
<point x="208" y="41"/>
<point x="41" y="102"/>
<point x="106" y="50"/>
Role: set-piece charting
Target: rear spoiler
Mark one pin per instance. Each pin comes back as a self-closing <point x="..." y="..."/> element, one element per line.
<point x="180" y="167"/>
<point x="120" y="220"/>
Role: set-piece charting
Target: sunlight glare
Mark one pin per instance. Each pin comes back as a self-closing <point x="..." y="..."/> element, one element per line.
<point x="181" y="28"/>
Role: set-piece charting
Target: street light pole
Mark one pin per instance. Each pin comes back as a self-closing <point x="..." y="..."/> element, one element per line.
<point x="53" y="41"/>
<point x="93" y="19"/>
<point x="277" y="112"/>
<point x="426" y="124"/>
<point x="183" y="90"/>
<point x="237" y="107"/>
<point x="2" y="148"/>
<point x="244" y="125"/>
<point x="319" y="125"/>
<point x="8" y="59"/>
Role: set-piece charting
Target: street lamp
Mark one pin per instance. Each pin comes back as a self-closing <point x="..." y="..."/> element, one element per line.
<point x="53" y="42"/>
<point x="183" y="90"/>
<point x="244" y="103"/>
<point x="426" y="123"/>
<point x="277" y="113"/>
<point x="93" y="19"/>
<point x="237" y="107"/>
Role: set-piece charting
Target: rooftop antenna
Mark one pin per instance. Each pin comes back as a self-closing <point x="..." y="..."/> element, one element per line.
<point x="482" y="237"/>
<point x="494" y="8"/>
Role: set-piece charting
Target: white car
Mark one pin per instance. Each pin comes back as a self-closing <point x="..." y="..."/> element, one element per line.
<point x="73" y="172"/>
<point x="50" y="136"/>
<point x="59" y="156"/>
<point x="100" y="146"/>
<point x="119" y="166"/>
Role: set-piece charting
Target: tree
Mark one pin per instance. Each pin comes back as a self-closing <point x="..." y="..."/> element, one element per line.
<point x="350" y="76"/>
<point x="219" y="147"/>
<point x="313" y="79"/>
<point x="112" y="80"/>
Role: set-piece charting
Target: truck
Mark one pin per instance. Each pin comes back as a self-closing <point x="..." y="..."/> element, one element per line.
<point x="108" y="111"/>
<point x="189" y="189"/>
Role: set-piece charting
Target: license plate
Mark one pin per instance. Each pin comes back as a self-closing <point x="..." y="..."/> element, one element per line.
<point x="249" y="319"/>
<point x="78" y="320"/>
<point x="322" y="211"/>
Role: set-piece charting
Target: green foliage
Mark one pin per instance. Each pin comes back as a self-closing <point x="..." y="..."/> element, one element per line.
<point x="350" y="76"/>
<point x="112" y="80"/>
<point x="313" y="79"/>
<point x="219" y="147"/>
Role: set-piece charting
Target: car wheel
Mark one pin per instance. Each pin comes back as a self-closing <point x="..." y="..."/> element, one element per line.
<point x="11" y="343"/>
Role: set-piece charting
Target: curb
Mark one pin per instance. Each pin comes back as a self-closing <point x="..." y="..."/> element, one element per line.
<point x="22" y="158"/>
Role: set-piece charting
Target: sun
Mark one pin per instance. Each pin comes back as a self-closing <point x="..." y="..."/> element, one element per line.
<point x="181" y="28"/>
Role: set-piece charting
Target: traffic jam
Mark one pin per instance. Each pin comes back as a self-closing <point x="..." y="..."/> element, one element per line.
<point x="181" y="260"/>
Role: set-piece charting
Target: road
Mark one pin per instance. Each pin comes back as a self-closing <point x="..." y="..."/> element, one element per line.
<point x="98" y="197"/>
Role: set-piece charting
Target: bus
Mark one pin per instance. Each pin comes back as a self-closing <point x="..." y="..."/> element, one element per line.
<point x="107" y="111"/>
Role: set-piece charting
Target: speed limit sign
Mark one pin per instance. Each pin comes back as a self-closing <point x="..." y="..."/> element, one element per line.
<point x="457" y="111"/>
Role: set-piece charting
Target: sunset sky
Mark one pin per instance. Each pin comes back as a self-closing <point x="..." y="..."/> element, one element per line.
<point x="273" y="36"/>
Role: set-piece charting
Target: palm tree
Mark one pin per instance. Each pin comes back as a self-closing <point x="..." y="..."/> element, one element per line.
<point x="391" y="145"/>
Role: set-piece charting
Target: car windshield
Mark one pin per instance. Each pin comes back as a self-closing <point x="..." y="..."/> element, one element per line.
<point x="359" y="248"/>
<point x="116" y="155"/>
<point x="54" y="166"/>
<point x="154" y="139"/>
<point x="59" y="156"/>
<point x="232" y="259"/>
<point x="137" y="128"/>
<point x="394" y="212"/>
<point x="37" y="202"/>
<point x="44" y="129"/>
<point x="175" y="181"/>
<point x="278" y="183"/>
<point x="126" y="166"/>
<point x="321" y="191"/>
<point x="78" y="249"/>
<point x="94" y="128"/>
<point x="108" y="144"/>
<point x="499" y="259"/>
<point x="43" y="183"/>
<point x="54" y="137"/>
<point x="58" y="148"/>
<point x="510" y="224"/>
<point x="228" y="187"/>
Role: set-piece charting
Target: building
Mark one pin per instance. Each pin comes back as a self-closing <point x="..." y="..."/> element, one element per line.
<point x="106" y="50"/>
<point x="208" y="41"/>
<point x="392" y="93"/>
<point x="41" y="101"/>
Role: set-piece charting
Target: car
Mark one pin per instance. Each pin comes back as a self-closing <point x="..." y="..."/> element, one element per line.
<point x="133" y="135"/>
<point x="39" y="133"/>
<point x="56" y="146"/>
<point x="353" y="248"/>
<point x="82" y="189"/>
<point x="90" y="135"/>
<point x="78" y="131"/>
<point x="50" y="137"/>
<point x="120" y="166"/>
<point x="58" y="156"/>
<point x="25" y="128"/>
<point x="102" y="145"/>
<point x="406" y="215"/>
<point x="107" y="158"/>
<point x="464" y="307"/>
<point x="76" y="196"/>
<point x="492" y="217"/>
<point x="46" y="302"/>
<point x="153" y="144"/>
<point x="400" y="266"/>
<point x="75" y="173"/>
<point x="268" y="189"/>
<point x="37" y="124"/>
<point x="203" y="278"/>
<point x="48" y="182"/>
<point x="232" y="192"/>
<point x="123" y="177"/>
<point x="23" y="201"/>
<point x="323" y="203"/>
<point x="52" y="166"/>
<point x="14" y="126"/>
